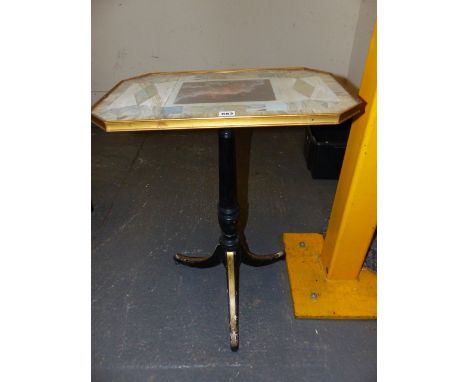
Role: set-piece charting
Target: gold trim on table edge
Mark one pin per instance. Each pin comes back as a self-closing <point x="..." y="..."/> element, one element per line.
<point x="225" y="122"/>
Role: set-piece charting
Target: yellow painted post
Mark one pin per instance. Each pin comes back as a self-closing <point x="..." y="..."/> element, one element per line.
<point x="354" y="214"/>
<point x="326" y="275"/>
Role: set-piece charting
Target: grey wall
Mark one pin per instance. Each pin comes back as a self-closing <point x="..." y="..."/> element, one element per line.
<point x="130" y="37"/>
<point x="362" y="37"/>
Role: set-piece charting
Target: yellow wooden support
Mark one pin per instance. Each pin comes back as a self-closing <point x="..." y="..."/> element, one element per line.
<point x="326" y="278"/>
<point x="354" y="215"/>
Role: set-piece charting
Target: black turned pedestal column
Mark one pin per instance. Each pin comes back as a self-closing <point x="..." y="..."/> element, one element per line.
<point x="232" y="248"/>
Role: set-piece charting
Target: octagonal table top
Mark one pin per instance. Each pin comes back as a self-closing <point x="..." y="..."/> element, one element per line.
<point x="225" y="99"/>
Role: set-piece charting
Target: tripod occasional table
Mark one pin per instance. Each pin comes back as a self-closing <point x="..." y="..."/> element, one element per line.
<point x="226" y="100"/>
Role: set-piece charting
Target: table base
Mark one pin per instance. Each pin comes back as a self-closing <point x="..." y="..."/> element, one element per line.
<point x="232" y="249"/>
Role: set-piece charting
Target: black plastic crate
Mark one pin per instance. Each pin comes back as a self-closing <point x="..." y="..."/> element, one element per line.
<point x="324" y="149"/>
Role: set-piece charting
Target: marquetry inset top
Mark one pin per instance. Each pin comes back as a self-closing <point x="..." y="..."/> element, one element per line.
<point x="225" y="98"/>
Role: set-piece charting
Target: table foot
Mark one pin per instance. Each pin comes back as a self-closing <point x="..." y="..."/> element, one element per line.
<point x="232" y="275"/>
<point x="201" y="261"/>
<point x="254" y="260"/>
<point x="232" y="257"/>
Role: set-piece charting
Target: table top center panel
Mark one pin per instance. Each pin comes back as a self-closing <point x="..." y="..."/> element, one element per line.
<point x="230" y="98"/>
